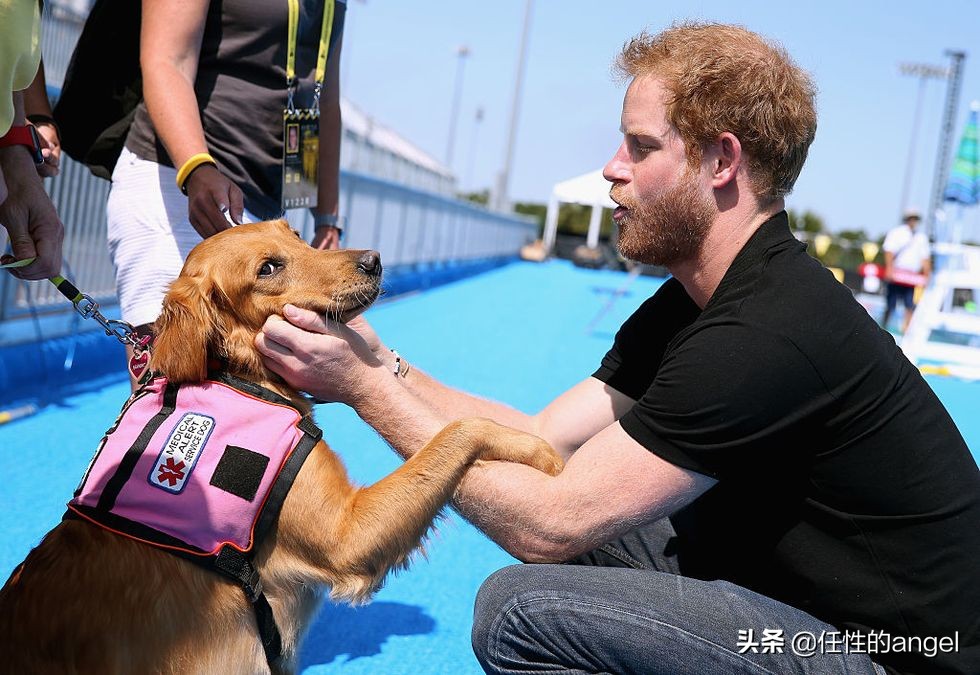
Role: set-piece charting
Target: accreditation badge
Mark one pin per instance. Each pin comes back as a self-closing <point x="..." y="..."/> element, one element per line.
<point x="300" y="158"/>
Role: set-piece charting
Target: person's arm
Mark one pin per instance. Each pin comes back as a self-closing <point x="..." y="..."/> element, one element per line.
<point x="889" y="266"/>
<point x="533" y="516"/>
<point x="37" y="110"/>
<point x="170" y="44"/>
<point x="608" y="486"/>
<point x="32" y="224"/>
<point x="328" y="170"/>
<point x="566" y="423"/>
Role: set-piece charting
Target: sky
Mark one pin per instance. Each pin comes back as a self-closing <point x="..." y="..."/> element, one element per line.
<point x="400" y="66"/>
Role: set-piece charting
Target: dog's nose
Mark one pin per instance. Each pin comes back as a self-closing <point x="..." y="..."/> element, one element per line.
<point x="370" y="263"/>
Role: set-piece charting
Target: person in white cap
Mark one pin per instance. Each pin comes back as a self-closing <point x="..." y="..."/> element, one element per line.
<point x="907" y="265"/>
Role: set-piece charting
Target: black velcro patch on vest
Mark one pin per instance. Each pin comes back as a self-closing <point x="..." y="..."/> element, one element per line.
<point x="240" y="472"/>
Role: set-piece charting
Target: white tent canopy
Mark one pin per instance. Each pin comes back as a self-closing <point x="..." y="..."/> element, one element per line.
<point x="589" y="189"/>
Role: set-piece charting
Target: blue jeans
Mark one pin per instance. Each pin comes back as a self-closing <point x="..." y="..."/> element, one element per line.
<point x="624" y="609"/>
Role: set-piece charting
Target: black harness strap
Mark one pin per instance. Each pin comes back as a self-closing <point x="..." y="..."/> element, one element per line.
<point x="115" y="484"/>
<point x="238" y="566"/>
<point x="284" y="483"/>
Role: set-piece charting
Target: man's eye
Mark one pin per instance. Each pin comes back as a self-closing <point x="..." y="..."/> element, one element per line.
<point x="641" y="148"/>
<point x="270" y="268"/>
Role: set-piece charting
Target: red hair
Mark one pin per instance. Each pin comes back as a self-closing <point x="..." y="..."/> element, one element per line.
<point x="725" y="78"/>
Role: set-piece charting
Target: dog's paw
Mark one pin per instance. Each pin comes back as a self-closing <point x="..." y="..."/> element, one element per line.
<point x="510" y="445"/>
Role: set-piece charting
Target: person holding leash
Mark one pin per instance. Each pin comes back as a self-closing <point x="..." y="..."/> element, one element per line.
<point x="35" y="232"/>
<point x="754" y="460"/>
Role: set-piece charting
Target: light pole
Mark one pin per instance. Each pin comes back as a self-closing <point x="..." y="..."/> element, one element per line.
<point x="924" y="72"/>
<point x="953" y="84"/>
<point x="468" y="177"/>
<point x="461" y="53"/>
<point x="501" y="202"/>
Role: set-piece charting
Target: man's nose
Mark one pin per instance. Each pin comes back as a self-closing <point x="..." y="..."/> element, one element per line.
<point x="616" y="169"/>
<point x="370" y="263"/>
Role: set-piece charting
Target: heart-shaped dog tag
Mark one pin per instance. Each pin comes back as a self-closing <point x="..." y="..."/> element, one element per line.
<point x="138" y="364"/>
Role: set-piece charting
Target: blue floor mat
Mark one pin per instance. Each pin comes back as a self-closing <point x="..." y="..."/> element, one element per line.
<point x="521" y="334"/>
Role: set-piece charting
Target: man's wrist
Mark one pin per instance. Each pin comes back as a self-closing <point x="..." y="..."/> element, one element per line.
<point x="400" y="367"/>
<point x="387" y="358"/>
<point x="374" y="391"/>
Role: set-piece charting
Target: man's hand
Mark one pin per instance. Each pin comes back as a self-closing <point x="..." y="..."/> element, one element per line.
<point x="325" y="358"/>
<point x="210" y="196"/>
<point x="32" y="223"/>
<point x="360" y="326"/>
<point x="50" y="148"/>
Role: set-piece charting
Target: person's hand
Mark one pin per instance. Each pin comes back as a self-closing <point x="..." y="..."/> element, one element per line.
<point x="360" y="326"/>
<point x="210" y="196"/>
<point x="314" y="354"/>
<point x="33" y="225"/>
<point x="326" y="237"/>
<point x="50" y="148"/>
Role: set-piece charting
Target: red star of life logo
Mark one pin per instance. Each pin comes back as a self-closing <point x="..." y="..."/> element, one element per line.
<point x="171" y="471"/>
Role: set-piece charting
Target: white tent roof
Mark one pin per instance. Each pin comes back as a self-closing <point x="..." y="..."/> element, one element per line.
<point x="589" y="189"/>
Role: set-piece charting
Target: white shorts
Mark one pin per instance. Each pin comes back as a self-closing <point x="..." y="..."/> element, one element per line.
<point x="149" y="234"/>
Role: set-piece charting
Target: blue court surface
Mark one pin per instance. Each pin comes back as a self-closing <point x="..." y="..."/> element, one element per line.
<point x="521" y="334"/>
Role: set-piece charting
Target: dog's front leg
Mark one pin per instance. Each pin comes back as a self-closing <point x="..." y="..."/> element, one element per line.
<point x="386" y="522"/>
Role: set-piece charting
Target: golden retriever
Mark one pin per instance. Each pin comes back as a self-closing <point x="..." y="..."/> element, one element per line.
<point x="87" y="600"/>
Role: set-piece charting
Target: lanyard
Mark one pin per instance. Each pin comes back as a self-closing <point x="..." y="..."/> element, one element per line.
<point x="321" y="57"/>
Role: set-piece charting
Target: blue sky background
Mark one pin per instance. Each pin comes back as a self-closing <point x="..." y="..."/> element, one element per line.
<point x="400" y="67"/>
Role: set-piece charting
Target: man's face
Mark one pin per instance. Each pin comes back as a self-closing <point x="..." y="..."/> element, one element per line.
<point x="664" y="214"/>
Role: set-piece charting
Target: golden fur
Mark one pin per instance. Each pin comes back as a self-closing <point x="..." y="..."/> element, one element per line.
<point x="88" y="601"/>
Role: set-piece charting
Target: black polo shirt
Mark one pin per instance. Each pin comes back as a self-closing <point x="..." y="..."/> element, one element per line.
<point x="844" y="488"/>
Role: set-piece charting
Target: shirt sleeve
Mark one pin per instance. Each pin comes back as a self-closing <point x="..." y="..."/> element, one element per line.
<point x="730" y="399"/>
<point x="631" y="364"/>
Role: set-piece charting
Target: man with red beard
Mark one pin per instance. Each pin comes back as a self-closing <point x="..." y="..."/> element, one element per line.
<point x="757" y="480"/>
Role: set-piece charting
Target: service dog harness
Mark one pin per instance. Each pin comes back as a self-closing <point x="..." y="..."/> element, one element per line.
<point x="201" y="471"/>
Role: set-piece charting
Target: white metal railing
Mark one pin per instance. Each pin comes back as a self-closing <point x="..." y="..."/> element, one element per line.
<point x="414" y="224"/>
<point x="408" y="226"/>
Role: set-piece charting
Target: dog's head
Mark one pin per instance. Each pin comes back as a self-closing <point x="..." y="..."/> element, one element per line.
<point x="232" y="282"/>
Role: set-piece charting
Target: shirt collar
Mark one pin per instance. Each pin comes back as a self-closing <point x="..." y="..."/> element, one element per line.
<point x="773" y="232"/>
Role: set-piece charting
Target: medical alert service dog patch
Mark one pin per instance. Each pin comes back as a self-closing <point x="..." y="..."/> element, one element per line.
<point x="181" y="451"/>
<point x="192" y="466"/>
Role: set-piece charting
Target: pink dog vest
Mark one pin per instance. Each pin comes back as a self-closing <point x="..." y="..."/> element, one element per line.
<point x="200" y="470"/>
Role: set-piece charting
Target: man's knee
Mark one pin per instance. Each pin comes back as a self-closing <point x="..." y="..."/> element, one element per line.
<point x="495" y="595"/>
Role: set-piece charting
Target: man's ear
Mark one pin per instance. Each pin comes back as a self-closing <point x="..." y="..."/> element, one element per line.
<point x="185" y="330"/>
<point x="724" y="157"/>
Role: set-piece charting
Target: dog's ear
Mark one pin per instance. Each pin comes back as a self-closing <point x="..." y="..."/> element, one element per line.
<point x="184" y="331"/>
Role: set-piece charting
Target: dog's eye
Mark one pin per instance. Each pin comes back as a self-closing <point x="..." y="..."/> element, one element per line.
<point x="270" y="268"/>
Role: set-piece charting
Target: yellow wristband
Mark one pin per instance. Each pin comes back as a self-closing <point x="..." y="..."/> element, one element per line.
<point x="192" y="163"/>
